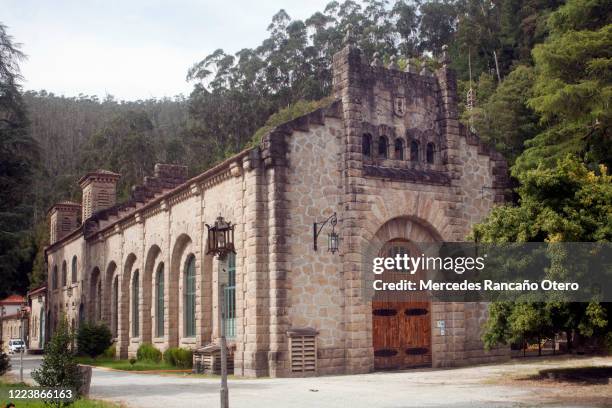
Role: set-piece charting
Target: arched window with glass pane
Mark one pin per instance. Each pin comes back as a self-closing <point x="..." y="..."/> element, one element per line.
<point x="399" y="149"/>
<point x="431" y="148"/>
<point x="366" y="145"/>
<point x="230" y="297"/>
<point x="159" y="301"/>
<point x="135" y="302"/>
<point x="115" y="307"/>
<point x="64" y="274"/>
<point x="74" y="269"/>
<point x="383" y="147"/>
<point x="189" y="297"/>
<point x="414" y="151"/>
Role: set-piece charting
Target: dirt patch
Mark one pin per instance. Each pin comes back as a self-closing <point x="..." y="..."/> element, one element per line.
<point x="582" y="375"/>
<point x="583" y="386"/>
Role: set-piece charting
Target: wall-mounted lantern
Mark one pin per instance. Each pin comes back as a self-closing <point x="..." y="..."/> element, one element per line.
<point x="333" y="239"/>
<point x="220" y="238"/>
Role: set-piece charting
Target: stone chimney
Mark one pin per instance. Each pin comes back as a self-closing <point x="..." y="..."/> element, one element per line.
<point x="99" y="191"/>
<point x="63" y="219"/>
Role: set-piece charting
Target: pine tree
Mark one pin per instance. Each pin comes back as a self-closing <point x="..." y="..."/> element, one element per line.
<point x="59" y="367"/>
<point x="573" y="88"/>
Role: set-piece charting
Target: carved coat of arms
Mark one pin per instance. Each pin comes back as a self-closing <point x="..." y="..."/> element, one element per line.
<point x="399" y="105"/>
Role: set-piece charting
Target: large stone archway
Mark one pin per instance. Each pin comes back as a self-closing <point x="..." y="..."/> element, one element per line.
<point x="401" y="326"/>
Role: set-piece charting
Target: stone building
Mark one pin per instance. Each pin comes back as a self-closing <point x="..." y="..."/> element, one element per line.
<point x="13" y="322"/>
<point x="388" y="155"/>
<point x="36" y="301"/>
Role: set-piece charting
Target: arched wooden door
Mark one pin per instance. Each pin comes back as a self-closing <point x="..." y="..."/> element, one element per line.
<point x="401" y="330"/>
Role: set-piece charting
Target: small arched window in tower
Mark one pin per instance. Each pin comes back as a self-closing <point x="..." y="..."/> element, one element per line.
<point x="366" y="145"/>
<point x="431" y="148"/>
<point x="383" y="147"/>
<point x="399" y="149"/>
<point x="414" y="151"/>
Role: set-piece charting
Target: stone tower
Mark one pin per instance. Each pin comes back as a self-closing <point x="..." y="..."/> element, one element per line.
<point x="64" y="218"/>
<point x="99" y="191"/>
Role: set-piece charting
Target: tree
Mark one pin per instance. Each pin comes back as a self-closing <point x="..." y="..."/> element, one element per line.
<point x="18" y="153"/>
<point x="503" y="118"/>
<point x="567" y="203"/>
<point x="59" y="368"/>
<point x="573" y="88"/>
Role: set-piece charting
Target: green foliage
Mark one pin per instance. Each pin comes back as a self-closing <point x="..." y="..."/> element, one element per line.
<point x="179" y="357"/>
<point x="59" y="367"/>
<point x="502" y="116"/>
<point x="5" y="363"/>
<point x="93" y="340"/>
<point x="19" y="155"/>
<point x="110" y="352"/>
<point x="148" y="352"/>
<point x="293" y="111"/>
<point x="573" y="88"/>
<point x="567" y="203"/>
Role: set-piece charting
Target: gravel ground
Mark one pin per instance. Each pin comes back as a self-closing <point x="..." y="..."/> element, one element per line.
<point x="474" y="387"/>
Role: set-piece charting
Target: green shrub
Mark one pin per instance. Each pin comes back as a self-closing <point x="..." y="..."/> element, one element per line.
<point x="110" y="352"/>
<point x="179" y="357"/>
<point x="59" y="368"/>
<point x="293" y="111"/>
<point x="148" y="352"/>
<point x="93" y="340"/>
<point x="4" y="361"/>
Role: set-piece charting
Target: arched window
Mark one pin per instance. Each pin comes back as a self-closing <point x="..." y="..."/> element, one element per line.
<point x="399" y="149"/>
<point x="414" y="151"/>
<point x="41" y="329"/>
<point x="115" y="307"/>
<point x="383" y="147"/>
<point x="431" y="148"/>
<point x="366" y="145"/>
<point x="135" y="302"/>
<point x="189" y="297"/>
<point x="230" y="297"/>
<point x="64" y="274"/>
<point x="74" y="269"/>
<point x="99" y="300"/>
<point x="159" y="301"/>
<point x="54" y="277"/>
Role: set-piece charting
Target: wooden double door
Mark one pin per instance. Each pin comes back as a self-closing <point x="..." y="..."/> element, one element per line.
<point x="401" y="333"/>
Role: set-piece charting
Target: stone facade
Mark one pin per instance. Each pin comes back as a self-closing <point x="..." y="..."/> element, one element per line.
<point x="388" y="155"/>
<point x="37" y="299"/>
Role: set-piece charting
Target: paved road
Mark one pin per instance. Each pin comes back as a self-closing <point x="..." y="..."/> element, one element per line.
<point x="465" y="387"/>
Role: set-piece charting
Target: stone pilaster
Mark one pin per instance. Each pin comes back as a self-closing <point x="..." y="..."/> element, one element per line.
<point x="274" y="155"/>
<point x="252" y="355"/>
<point x="347" y="67"/>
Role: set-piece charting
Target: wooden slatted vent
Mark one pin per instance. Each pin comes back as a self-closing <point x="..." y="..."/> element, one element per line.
<point x="303" y="351"/>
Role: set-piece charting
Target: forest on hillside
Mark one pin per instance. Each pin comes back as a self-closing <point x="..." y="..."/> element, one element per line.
<point x="540" y="72"/>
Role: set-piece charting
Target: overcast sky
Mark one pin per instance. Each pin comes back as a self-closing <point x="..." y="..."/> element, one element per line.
<point x="133" y="48"/>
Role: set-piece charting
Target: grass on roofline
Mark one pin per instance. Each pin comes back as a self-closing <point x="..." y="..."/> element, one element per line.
<point x="5" y="385"/>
